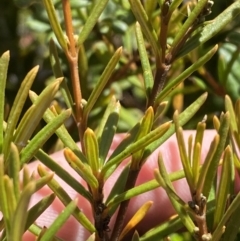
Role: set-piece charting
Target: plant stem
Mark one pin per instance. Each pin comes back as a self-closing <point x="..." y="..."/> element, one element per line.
<point x="72" y="57"/>
<point x="132" y="177"/>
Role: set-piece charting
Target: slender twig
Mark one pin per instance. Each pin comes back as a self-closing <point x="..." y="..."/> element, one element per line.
<point x="72" y="57"/>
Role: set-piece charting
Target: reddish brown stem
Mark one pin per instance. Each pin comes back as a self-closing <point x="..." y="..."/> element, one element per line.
<point x="72" y="56"/>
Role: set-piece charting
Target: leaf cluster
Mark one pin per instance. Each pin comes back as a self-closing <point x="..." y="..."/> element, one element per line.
<point x="161" y="48"/>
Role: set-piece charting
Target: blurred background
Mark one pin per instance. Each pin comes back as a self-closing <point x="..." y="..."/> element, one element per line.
<point x="25" y="31"/>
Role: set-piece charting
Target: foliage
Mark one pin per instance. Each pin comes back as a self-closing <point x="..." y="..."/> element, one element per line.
<point x="140" y="55"/>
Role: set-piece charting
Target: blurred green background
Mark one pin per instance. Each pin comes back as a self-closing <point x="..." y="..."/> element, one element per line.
<point x="25" y="31"/>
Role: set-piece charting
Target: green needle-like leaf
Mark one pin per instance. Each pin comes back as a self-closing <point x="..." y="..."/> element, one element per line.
<point x="234" y="120"/>
<point x="197" y="152"/>
<point x="92" y="150"/>
<point x="42" y="136"/>
<point x="34" y="212"/>
<point x="3" y="199"/>
<point x="14" y="169"/>
<point x="108" y="129"/>
<point x="31" y="119"/>
<point x="163" y="230"/>
<point x="91" y="20"/>
<point x="66" y="199"/>
<point x="56" y="67"/>
<point x="9" y="189"/>
<point x="59" y="221"/>
<point x="176" y="201"/>
<point x="135" y="236"/>
<point x="126" y="141"/>
<point x="63" y="174"/>
<point x="143" y="188"/>
<point x="186" y="73"/>
<point x="183" y="153"/>
<point x="17" y="107"/>
<point x="83" y="169"/>
<point x="112" y="164"/>
<point x="189" y="22"/>
<point x="19" y="219"/>
<point x="102" y="81"/>
<point x="146" y="26"/>
<point x="212" y="169"/>
<point x="147" y="71"/>
<point x="56" y="27"/>
<point x="224" y="186"/>
<point x="232" y="227"/>
<point x="184" y="117"/>
<point x="145" y="128"/>
<point x="61" y="132"/>
<point x="4" y="61"/>
<point x="211" y="29"/>
<point x="43" y="181"/>
<point x="232" y="210"/>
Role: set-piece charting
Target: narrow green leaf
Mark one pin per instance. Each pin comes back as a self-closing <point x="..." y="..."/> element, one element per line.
<point x="183" y="153"/>
<point x="216" y="123"/>
<point x="92" y="150"/>
<point x="232" y="227"/>
<point x="17" y="107"/>
<point x="63" y="174"/>
<point x="135" y="236"/>
<point x="232" y="210"/>
<point x="31" y="119"/>
<point x="212" y="169"/>
<point x="146" y="26"/>
<point x="224" y="186"/>
<point x="43" y="181"/>
<point x="92" y="20"/>
<point x="55" y="24"/>
<point x="34" y="212"/>
<point x="145" y="128"/>
<point x="150" y="7"/>
<point x="102" y="81"/>
<point x="109" y="130"/>
<point x="192" y="18"/>
<point x="26" y="175"/>
<point x="59" y="221"/>
<point x="117" y="190"/>
<point x="11" y="198"/>
<point x="66" y="199"/>
<point x="176" y="201"/>
<point x="186" y="73"/>
<point x="14" y="169"/>
<point x="197" y="152"/>
<point x="233" y="120"/>
<point x="61" y="132"/>
<point x="19" y="219"/>
<point x="163" y="230"/>
<point x="184" y="117"/>
<point x="42" y="136"/>
<point x="3" y="199"/>
<point x="211" y="29"/>
<point x="126" y="141"/>
<point x="112" y="164"/>
<point x="4" y="61"/>
<point x="229" y="107"/>
<point x="83" y="169"/>
<point x="147" y="71"/>
<point x="57" y="70"/>
<point x="143" y="188"/>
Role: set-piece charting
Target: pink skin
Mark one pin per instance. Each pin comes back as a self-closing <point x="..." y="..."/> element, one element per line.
<point x="161" y="209"/>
